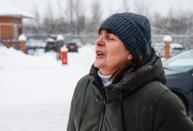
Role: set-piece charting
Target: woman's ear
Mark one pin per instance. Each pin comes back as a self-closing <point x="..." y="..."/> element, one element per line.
<point x="129" y="57"/>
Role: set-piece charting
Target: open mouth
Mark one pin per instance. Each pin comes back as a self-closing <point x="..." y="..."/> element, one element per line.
<point x="99" y="54"/>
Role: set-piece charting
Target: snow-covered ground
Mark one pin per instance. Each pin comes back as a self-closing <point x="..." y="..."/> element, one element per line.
<point x="36" y="91"/>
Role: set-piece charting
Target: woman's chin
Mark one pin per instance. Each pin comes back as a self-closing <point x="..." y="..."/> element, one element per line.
<point x="98" y="64"/>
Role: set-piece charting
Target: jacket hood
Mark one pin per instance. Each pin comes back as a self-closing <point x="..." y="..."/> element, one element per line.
<point x="133" y="79"/>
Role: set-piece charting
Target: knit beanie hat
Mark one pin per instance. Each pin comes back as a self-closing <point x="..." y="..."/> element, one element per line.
<point x="133" y="30"/>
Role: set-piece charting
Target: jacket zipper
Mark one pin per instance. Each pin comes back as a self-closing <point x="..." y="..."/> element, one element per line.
<point x="103" y="103"/>
<point x="102" y="111"/>
<point x="102" y="114"/>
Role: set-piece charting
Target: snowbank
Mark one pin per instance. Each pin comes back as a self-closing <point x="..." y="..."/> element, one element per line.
<point x="36" y="91"/>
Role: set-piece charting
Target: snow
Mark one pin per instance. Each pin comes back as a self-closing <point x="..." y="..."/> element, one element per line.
<point x="7" y="8"/>
<point x="22" y="37"/>
<point x="167" y="38"/>
<point x="36" y="91"/>
<point x="50" y="40"/>
<point x="36" y="43"/>
<point x="59" y="38"/>
<point x="177" y="45"/>
<point x="64" y="49"/>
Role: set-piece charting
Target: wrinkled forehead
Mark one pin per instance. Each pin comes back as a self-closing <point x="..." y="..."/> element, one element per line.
<point x="105" y="31"/>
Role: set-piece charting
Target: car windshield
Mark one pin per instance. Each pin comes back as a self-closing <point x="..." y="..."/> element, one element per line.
<point x="180" y="62"/>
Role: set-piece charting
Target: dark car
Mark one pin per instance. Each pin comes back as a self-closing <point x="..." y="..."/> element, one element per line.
<point x="72" y="47"/>
<point x="179" y="75"/>
<point x="51" y="45"/>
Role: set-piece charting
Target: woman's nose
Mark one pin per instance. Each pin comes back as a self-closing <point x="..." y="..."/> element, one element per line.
<point x="100" y="41"/>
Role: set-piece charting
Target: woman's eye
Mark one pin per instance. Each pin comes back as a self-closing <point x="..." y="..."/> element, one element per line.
<point x="110" y="37"/>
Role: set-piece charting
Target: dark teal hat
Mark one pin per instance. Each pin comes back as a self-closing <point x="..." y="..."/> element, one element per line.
<point x="134" y="31"/>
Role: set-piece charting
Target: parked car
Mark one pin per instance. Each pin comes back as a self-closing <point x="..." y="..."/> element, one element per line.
<point x="35" y="46"/>
<point x="175" y="48"/>
<point x="179" y="75"/>
<point x="53" y="45"/>
<point x="72" y="47"/>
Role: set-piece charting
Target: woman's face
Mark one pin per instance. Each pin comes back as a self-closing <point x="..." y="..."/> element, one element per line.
<point x="110" y="53"/>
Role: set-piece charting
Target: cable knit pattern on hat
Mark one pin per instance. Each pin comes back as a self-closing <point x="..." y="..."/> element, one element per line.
<point x="134" y="31"/>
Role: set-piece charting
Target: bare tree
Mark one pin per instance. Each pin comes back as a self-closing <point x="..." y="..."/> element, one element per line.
<point x="48" y="20"/>
<point x="96" y="13"/>
<point x="37" y="20"/>
<point x="61" y="9"/>
<point x="142" y="7"/>
<point x="157" y="23"/>
<point x="190" y="23"/>
<point x="33" y="25"/>
<point x="70" y="10"/>
<point x="61" y="21"/>
<point x="80" y="16"/>
<point x="177" y="23"/>
<point x="75" y="12"/>
<point x="173" y="23"/>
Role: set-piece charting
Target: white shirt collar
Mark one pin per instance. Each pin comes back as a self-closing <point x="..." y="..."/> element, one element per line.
<point x="105" y="79"/>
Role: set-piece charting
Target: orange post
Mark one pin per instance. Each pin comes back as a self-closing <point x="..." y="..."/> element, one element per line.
<point x="167" y="46"/>
<point x="167" y="53"/>
<point x="22" y="46"/>
<point x="22" y="43"/>
<point x="64" y="55"/>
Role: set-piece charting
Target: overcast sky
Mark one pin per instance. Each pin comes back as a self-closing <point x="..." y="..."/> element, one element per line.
<point x="108" y="6"/>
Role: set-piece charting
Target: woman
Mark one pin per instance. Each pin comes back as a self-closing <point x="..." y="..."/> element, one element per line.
<point x="125" y="90"/>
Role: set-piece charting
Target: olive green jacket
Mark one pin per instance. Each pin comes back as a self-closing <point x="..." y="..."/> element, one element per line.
<point x="137" y="101"/>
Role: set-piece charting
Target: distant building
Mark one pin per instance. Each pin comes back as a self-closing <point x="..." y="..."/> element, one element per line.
<point x="11" y="22"/>
<point x="10" y="29"/>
